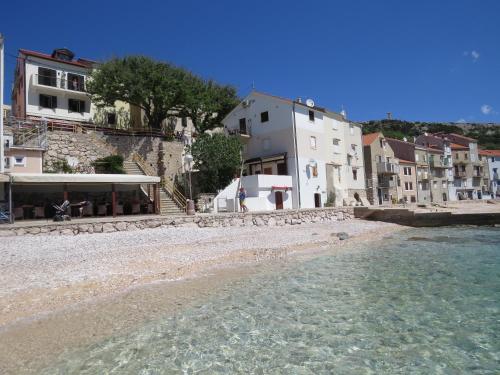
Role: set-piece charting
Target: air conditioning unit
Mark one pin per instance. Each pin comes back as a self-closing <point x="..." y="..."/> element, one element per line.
<point x="8" y="141"/>
<point x="245" y="103"/>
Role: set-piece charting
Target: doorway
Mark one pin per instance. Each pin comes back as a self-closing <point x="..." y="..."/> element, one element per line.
<point x="317" y="200"/>
<point x="379" y="191"/>
<point x="278" y="198"/>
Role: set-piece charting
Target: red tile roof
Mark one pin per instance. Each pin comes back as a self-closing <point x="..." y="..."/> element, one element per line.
<point x="49" y="57"/>
<point x="368" y="139"/>
<point x="490" y="152"/>
<point x="455" y="146"/>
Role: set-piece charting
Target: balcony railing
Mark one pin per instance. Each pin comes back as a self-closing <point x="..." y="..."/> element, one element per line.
<point x="477" y="173"/>
<point x="460" y="174"/>
<point x="245" y="132"/>
<point x="388" y="168"/>
<point x="423" y="175"/>
<point x="438" y="163"/>
<point x="59" y="83"/>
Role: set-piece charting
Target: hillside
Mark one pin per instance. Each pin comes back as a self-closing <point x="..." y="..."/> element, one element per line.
<point x="487" y="135"/>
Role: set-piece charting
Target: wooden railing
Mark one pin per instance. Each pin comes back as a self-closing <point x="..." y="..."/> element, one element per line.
<point x="174" y="193"/>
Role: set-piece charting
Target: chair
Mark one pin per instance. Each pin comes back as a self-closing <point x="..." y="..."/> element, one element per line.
<point x="136" y="208"/>
<point x="39" y="212"/>
<point x="119" y="209"/>
<point x="18" y="213"/>
<point x="88" y="210"/>
<point x="102" y="210"/>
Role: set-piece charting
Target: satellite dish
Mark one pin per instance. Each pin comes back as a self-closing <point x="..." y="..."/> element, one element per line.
<point x="310" y="103"/>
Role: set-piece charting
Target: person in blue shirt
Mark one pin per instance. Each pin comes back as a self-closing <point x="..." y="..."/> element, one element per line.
<point x="242" y="196"/>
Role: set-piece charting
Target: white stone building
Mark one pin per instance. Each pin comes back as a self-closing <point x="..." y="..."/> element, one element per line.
<point x="319" y="149"/>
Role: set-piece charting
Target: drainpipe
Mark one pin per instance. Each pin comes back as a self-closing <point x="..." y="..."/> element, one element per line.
<point x="296" y="156"/>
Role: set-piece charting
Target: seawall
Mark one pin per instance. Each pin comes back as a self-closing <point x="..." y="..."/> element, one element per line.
<point x="128" y="223"/>
<point x="426" y="219"/>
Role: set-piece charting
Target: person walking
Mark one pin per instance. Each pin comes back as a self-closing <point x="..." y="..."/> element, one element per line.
<point x="242" y="195"/>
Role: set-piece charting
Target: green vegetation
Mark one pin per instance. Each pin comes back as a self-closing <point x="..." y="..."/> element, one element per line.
<point x="488" y="136"/>
<point x="218" y="159"/>
<point x="161" y="90"/>
<point x="59" y="166"/>
<point x="110" y="164"/>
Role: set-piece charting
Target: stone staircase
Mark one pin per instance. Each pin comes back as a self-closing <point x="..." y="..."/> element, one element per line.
<point x="167" y="205"/>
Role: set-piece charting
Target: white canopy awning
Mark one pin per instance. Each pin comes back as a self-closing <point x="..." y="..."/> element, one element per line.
<point x="79" y="178"/>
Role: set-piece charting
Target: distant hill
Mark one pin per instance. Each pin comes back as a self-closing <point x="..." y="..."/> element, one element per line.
<point x="487" y="135"/>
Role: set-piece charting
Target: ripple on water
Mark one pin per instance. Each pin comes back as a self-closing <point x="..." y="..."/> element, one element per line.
<point x="423" y="301"/>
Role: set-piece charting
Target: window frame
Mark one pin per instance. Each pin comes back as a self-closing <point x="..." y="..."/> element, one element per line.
<point x="79" y="101"/>
<point x="313" y="142"/>
<point x="52" y="100"/>
<point x="264" y="117"/>
<point x="16" y="163"/>
<point x="312" y="115"/>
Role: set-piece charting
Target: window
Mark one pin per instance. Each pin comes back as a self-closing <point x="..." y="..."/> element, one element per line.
<point x="456" y="156"/>
<point x="19" y="161"/>
<point x="312" y="142"/>
<point x="466" y="156"/>
<point x="351" y="129"/>
<point x="311" y="115"/>
<point x="413" y="199"/>
<point x="354" y="174"/>
<point x="184" y="122"/>
<point x="349" y="160"/>
<point x="425" y="157"/>
<point x="381" y="143"/>
<point x="243" y="126"/>
<point x="48" y="101"/>
<point x="75" y="105"/>
<point x="416" y="157"/>
<point x="264" y="116"/>
<point x="434" y="184"/>
<point x="314" y="170"/>
<point x="407" y="171"/>
<point x="443" y="184"/>
<point x="336" y="146"/>
<point x="47" y="77"/>
<point x="112" y="118"/>
<point x="408" y="186"/>
<point x="76" y="82"/>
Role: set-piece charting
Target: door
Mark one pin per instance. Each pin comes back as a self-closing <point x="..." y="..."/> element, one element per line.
<point x="317" y="200"/>
<point x="278" y="197"/>
<point x="379" y="196"/>
<point x="282" y="169"/>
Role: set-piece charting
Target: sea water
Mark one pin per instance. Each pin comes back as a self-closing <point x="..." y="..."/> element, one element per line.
<point x="423" y="301"/>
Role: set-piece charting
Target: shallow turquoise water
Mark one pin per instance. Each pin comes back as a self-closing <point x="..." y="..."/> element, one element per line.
<point x="421" y="302"/>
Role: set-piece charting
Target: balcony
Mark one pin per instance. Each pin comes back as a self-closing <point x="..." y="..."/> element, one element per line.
<point x="243" y="133"/>
<point x="480" y="174"/>
<point x="387" y="168"/>
<point x="423" y="175"/>
<point x="460" y="174"/>
<point x="438" y="163"/>
<point x="75" y="84"/>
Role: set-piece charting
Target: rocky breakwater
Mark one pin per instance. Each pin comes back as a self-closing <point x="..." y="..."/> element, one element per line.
<point x="257" y="219"/>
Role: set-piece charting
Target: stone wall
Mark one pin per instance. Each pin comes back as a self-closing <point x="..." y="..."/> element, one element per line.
<point x="76" y="148"/>
<point x="107" y="225"/>
<point x="148" y="147"/>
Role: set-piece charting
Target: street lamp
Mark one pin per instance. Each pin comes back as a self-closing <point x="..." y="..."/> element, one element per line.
<point x="188" y="159"/>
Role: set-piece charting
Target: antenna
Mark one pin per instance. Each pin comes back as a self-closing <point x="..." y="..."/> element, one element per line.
<point x="253" y="85"/>
<point x="343" y="112"/>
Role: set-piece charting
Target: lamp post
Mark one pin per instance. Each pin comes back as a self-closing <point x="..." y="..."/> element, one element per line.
<point x="188" y="159"/>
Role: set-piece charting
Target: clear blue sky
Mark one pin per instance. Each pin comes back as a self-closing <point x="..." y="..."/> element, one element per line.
<point x="425" y="60"/>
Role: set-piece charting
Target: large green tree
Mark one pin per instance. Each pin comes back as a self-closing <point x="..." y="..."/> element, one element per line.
<point x="161" y="90"/>
<point x="151" y="85"/>
<point x="206" y="102"/>
<point x="218" y="159"/>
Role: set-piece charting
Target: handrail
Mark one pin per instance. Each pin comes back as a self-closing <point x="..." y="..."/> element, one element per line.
<point x="179" y="199"/>
<point x="143" y="165"/>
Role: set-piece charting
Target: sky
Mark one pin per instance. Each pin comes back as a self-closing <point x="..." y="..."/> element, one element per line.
<point x="421" y="60"/>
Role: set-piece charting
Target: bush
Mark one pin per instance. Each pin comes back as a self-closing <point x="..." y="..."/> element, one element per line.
<point x="60" y="166"/>
<point x="110" y="164"/>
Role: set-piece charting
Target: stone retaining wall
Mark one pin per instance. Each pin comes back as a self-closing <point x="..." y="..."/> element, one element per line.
<point x="274" y="219"/>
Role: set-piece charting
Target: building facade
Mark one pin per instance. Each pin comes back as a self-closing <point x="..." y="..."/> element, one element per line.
<point x="382" y="170"/>
<point x="319" y="149"/>
<point x="493" y="157"/>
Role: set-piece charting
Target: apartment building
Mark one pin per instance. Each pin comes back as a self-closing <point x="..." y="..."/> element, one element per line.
<point x="382" y="170"/>
<point x="321" y="150"/>
<point x="493" y="157"/>
<point x="441" y="165"/>
<point x="407" y="179"/>
<point x="471" y="174"/>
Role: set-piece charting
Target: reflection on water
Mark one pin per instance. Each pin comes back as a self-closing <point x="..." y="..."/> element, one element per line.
<point x="424" y="301"/>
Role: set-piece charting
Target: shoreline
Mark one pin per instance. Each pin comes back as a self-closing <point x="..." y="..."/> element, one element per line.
<point x="44" y="327"/>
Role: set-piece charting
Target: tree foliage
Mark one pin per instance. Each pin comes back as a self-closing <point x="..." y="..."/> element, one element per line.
<point x="218" y="159"/>
<point x="161" y="89"/>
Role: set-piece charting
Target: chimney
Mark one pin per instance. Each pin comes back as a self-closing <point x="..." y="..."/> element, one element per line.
<point x="389" y="115"/>
<point x="299" y="100"/>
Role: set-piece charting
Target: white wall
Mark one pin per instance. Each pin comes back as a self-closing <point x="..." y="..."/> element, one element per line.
<point x="33" y="91"/>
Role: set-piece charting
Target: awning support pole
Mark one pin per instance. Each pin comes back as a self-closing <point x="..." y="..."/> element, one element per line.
<point x="113" y="199"/>
<point x="65" y="193"/>
<point x="11" y="214"/>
